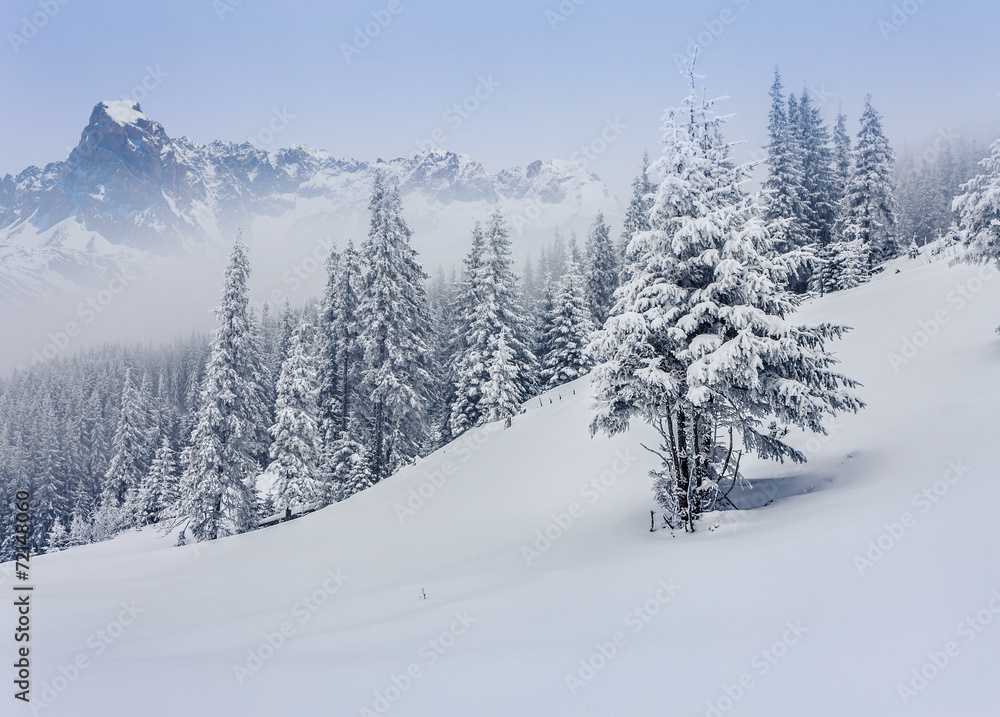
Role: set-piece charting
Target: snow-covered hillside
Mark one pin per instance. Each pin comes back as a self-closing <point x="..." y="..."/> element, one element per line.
<point x="513" y="572"/>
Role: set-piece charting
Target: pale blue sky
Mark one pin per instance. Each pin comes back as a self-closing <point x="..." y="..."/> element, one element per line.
<point x="557" y="86"/>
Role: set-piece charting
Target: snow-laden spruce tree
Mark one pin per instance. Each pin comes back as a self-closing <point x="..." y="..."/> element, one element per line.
<point x="568" y="329"/>
<point x="159" y="494"/>
<point x="348" y="470"/>
<point x="495" y="369"/>
<point x="837" y="262"/>
<point x="603" y="272"/>
<point x="230" y="432"/>
<point x="978" y="208"/>
<point x="868" y="209"/>
<point x="341" y="455"/>
<point x="784" y="208"/>
<point x="698" y="344"/>
<point x="501" y="308"/>
<point x="328" y="386"/>
<point x="637" y="214"/>
<point x="295" y="449"/>
<point x="128" y="447"/>
<point x="502" y="395"/>
<point x="468" y="370"/>
<point x="843" y="163"/>
<point x="441" y="297"/>
<point x="394" y="337"/>
<point x="58" y="537"/>
<point x="817" y="172"/>
<point x="852" y="264"/>
<point x="80" y="531"/>
<point x="346" y="330"/>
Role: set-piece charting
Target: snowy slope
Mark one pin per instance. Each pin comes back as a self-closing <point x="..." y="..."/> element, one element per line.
<point x="768" y="614"/>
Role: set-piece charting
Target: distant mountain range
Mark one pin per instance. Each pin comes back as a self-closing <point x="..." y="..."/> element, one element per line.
<point x="129" y="199"/>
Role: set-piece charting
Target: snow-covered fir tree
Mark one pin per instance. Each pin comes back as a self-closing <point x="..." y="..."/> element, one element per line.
<point x="783" y="189"/>
<point x="502" y="395"/>
<point x="80" y="532"/>
<point x="699" y="344"/>
<point x="441" y="300"/>
<point x="295" y="449"/>
<point x="851" y="262"/>
<point x="530" y="286"/>
<point x="348" y="471"/>
<point x="825" y="278"/>
<point x="468" y="367"/>
<point x="978" y="208"/>
<point x="868" y="209"/>
<point x="495" y="368"/>
<point x="842" y="161"/>
<point x="346" y="330"/>
<point x="328" y="385"/>
<point x="834" y="256"/>
<point x="58" y="537"/>
<point x="128" y="446"/>
<point x="230" y="433"/>
<point x="637" y="213"/>
<point x="603" y="272"/>
<point x="158" y="497"/>
<point x="545" y="318"/>
<point x="568" y="329"/>
<point x="816" y="157"/>
<point x="394" y="338"/>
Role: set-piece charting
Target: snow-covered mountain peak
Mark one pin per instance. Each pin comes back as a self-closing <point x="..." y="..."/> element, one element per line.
<point x="445" y="176"/>
<point x="121" y="111"/>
